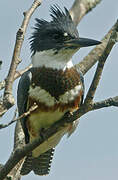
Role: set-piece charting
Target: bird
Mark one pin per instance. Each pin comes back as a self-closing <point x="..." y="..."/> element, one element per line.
<point x="53" y="84"/>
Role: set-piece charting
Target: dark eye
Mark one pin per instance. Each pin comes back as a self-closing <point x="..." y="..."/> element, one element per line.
<point x="57" y="36"/>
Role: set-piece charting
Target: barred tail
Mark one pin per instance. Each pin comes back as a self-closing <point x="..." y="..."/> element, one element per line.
<point x="40" y="165"/>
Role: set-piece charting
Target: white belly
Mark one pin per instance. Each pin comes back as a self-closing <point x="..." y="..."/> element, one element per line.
<point x="45" y="120"/>
<point x="39" y="120"/>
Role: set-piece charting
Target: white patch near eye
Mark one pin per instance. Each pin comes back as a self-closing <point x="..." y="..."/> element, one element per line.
<point x="65" y="34"/>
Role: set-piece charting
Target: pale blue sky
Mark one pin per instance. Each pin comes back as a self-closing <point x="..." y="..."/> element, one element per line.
<point x="92" y="151"/>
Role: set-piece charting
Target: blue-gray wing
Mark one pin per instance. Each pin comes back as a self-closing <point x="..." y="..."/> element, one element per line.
<point x="22" y="96"/>
<point x="41" y="164"/>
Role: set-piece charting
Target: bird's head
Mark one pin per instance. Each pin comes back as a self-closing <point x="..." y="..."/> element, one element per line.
<point x="58" y="35"/>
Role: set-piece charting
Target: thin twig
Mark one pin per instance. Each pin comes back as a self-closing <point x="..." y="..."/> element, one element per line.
<point x="20" y="72"/>
<point x="18" y="143"/>
<point x="77" y="11"/>
<point x="21" y="152"/>
<point x="83" y="110"/>
<point x="68" y="118"/>
<point x="17" y="75"/>
<point x="34" y="107"/>
<point x="8" y="97"/>
<point x="105" y="103"/>
<point x="86" y="64"/>
<point x="100" y="66"/>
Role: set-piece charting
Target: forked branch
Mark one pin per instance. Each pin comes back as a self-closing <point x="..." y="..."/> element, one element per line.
<point x="100" y="54"/>
<point x="87" y="106"/>
<point x="8" y="99"/>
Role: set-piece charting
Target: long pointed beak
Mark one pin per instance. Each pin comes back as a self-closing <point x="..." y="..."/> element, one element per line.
<point x="82" y="42"/>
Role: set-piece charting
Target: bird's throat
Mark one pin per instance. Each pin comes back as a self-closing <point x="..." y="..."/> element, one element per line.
<point x="48" y="59"/>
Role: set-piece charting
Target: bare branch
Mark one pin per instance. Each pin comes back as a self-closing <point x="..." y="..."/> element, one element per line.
<point x="20" y="153"/>
<point x="105" y="103"/>
<point x="95" y="54"/>
<point x="102" y="60"/>
<point x="17" y="50"/>
<point x="16" y="159"/>
<point x="17" y="75"/>
<point x="8" y="99"/>
<point x="82" y="7"/>
<point x="19" y="141"/>
<point x="34" y="107"/>
<point x="77" y="11"/>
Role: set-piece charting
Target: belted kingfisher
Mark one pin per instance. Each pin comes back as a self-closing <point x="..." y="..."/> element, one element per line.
<point x="53" y="83"/>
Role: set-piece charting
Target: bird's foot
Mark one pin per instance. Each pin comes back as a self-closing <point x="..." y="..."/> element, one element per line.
<point x="42" y="133"/>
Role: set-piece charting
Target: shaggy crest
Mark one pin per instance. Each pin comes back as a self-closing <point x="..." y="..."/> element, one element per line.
<point x="48" y="34"/>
